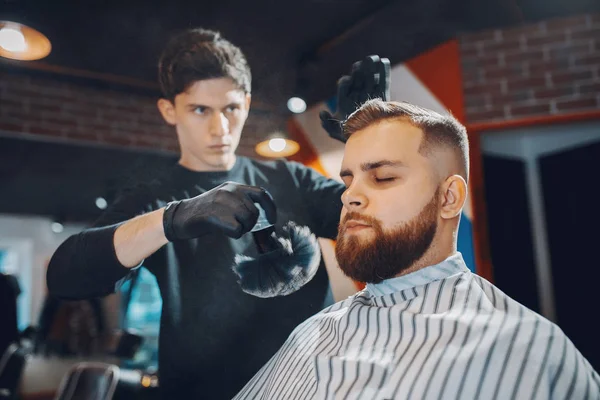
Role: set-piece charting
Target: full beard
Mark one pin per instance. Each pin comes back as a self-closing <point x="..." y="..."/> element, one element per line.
<point x="390" y="252"/>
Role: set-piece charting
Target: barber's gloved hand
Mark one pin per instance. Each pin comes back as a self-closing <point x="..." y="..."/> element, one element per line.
<point x="369" y="79"/>
<point x="228" y="208"/>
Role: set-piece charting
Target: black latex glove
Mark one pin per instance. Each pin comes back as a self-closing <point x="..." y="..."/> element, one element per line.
<point x="369" y="79"/>
<point x="228" y="208"/>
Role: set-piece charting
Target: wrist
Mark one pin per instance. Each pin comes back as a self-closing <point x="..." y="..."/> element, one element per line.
<point x="168" y="220"/>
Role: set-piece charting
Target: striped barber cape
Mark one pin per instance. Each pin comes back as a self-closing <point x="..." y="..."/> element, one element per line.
<point x="439" y="333"/>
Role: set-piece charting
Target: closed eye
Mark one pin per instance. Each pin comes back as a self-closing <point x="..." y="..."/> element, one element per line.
<point x="385" y="179"/>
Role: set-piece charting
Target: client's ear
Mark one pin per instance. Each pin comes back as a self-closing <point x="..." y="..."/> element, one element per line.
<point x="454" y="195"/>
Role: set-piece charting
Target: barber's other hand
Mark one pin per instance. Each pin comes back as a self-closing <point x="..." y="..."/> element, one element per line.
<point x="229" y="208"/>
<point x="369" y="79"/>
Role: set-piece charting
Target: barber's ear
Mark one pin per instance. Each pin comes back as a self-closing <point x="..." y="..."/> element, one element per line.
<point x="167" y="110"/>
<point x="454" y="195"/>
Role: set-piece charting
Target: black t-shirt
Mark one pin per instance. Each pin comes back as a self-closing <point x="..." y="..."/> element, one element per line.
<point x="213" y="336"/>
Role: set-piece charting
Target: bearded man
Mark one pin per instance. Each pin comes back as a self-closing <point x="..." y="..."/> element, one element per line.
<point x="424" y="327"/>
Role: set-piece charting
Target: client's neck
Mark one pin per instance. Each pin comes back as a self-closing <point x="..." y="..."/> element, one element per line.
<point x="439" y="251"/>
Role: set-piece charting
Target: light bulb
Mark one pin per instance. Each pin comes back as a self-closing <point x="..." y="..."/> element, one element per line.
<point x="296" y="105"/>
<point x="12" y="39"/>
<point x="57" y="227"/>
<point x="277" y="144"/>
<point x="101" y="203"/>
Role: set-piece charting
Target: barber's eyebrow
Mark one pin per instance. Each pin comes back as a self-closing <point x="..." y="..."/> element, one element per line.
<point x="193" y="106"/>
<point x="368" y="166"/>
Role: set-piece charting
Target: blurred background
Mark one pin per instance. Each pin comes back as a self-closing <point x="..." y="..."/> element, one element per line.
<point x="78" y="120"/>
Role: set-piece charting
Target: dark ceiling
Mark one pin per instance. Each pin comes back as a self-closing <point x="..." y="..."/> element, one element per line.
<point x="300" y="46"/>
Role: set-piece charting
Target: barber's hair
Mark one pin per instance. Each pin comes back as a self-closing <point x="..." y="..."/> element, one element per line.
<point x="438" y="130"/>
<point x="198" y="54"/>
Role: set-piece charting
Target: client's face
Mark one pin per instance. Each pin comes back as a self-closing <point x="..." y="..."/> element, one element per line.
<point x="391" y="204"/>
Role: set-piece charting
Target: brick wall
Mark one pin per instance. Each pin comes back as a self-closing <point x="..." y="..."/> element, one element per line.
<point x="550" y="67"/>
<point x="546" y="68"/>
<point x="47" y="108"/>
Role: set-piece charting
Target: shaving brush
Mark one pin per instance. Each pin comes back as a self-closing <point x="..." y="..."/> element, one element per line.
<point x="285" y="262"/>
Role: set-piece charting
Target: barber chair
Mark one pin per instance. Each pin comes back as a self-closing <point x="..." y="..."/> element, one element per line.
<point x="99" y="381"/>
<point x="89" y="380"/>
<point x="12" y="365"/>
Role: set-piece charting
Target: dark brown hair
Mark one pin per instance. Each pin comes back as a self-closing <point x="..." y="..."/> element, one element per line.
<point x="439" y="130"/>
<point x="199" y="54"/>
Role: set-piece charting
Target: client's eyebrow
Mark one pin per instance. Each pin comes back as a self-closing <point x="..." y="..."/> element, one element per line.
<point x="368" y="166"/>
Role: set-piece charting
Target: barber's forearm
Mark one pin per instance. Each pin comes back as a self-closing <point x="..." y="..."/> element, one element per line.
<point x="139" y="238"/>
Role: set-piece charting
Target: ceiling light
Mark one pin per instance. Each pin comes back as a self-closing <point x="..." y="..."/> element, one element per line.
<point x="57" y="227"/>
<point x="296" y="105"/>
<point x="101" y="203"/>
<point x="277" y="146"/>
<point x="12" y="39"/>
<point x="20" y="42"/>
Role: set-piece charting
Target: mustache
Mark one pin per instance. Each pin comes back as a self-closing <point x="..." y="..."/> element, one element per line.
<point x="354" y="216"/>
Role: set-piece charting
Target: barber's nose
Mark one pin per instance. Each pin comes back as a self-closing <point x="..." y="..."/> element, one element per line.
<point x="354" y="199"/>
<point x="219" y="125"/>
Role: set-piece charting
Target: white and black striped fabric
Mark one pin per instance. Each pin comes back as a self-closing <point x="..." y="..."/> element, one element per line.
<point x="438" y="333"/>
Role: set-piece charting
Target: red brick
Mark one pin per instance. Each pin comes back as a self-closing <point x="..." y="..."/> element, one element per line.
<point x="560" y="78"/>
<point x="153" y="120"/>
<point x="534" y="109"/>
<point x="83" y="115"/>
<point x="46" y="107"/>
<point x="497" y="113"/>
<point x="521" y="31"/>
<point x="476" y="100"/>
<point x="568" y="22"/>
<point x="592" y="33"/>
<point x="503" y="45"/>
<point x="488" y="60"/>
<point x="112" y="117"/>
<point x="13" y="102"/>
<point x="45" y="129"/>
<point x="589" y="87"/>
<point x="118" y="140"/>
<point x="567" y="50"/>
<point x="18" y="93"/>
<point x="540" y="67"/>
<point x="522" y="56"/>
<point x="493" y="87"/>
<point x="61" y="122"/>
<point x="81" y="134"/>
<point x="470" y="65"/>
<point x="172" y="147"/>
<point x="168" y="133"/>
<point x="20" y="114"/>
<point x="93" y="127"/>
<point x="545" y="39"/>
<point x="470" y="51"/>
<point x="533" y="82"/>
<point x="513" y="70"/>
<point x="511" y="97"/>
<point x="586" y="59"/>
<point x="149" y="140"/>
<point x="552" y="93"/>
<point x="11" y="127"/>
<point x="577" y="104"/>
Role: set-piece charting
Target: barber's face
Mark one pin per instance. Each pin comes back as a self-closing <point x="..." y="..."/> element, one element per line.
<point x="209" y="118"/>
<point x="391" y="203"/>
